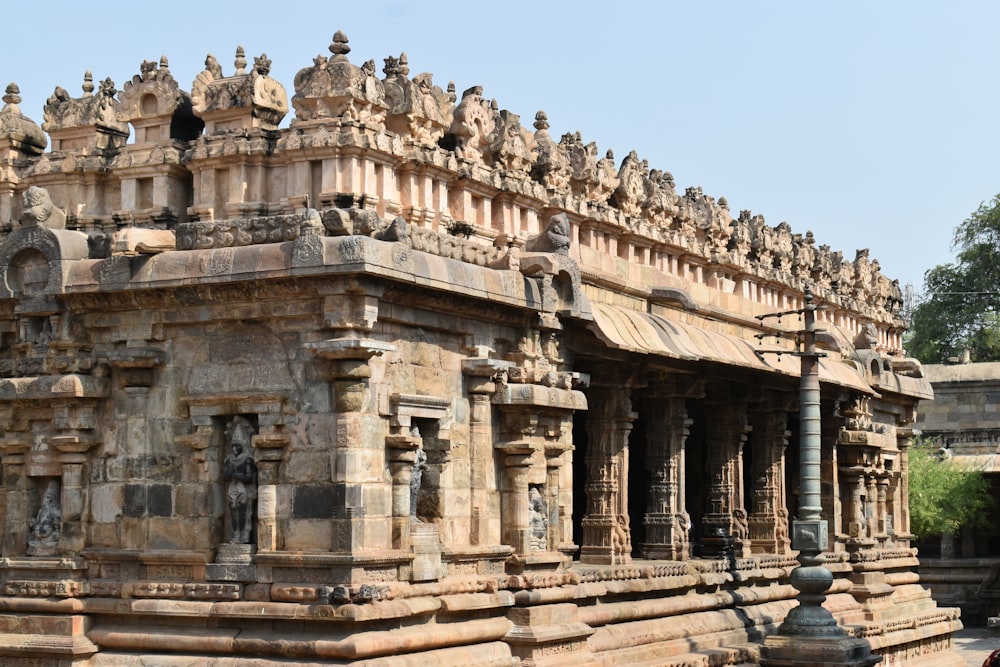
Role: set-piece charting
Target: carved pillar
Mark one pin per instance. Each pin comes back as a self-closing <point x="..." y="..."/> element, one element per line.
<point x="606" y="534"/>
<point x="726" y="433"/>
<point x="768" y="519"/>
<point x="269" y="446"/>
<point x="402" y="456"/>
<point x="74" y="497"/>
<point x="667" y="521"/>
<point x="356" y="421"/>
<point x="480" y="372"/>
<point x="514" y="506"/>
<point x="12" y="457"/>
<point x="871" y="505"/>
<point x="882" y="507"/>
<point x="903" y="518"/>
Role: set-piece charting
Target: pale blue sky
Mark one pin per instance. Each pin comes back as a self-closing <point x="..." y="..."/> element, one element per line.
<point x="873" y="124"/>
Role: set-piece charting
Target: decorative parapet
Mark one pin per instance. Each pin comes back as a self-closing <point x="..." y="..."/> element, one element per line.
<point x="243" y="100"/>
<point x="24" y="135"/>
<point x="334" y="88"/>
<point x="88" y="122"/>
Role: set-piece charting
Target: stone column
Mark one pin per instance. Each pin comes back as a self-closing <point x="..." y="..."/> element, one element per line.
<point x="73" y="502"/>
<point x="402" y="456"/>
<point x="514" y="506"/>
<point x="480" y="372"/>
<point x="359" y="447"/>
<point x="769" y="515"/>
<point x="12" y="456"/>
<point x="903" y="513"/>
<point x="606" y="534"/>
<point x="667" y="522"/>
<point x="268" y="453"/>
<point x="882" y="507"/>
<point x="726" y="433"/>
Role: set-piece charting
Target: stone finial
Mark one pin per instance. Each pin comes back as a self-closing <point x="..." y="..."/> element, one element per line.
<point x="541" y="121"/>
<point x="12" y="98"/>
<point x="262" y="65"/>
<point x="241" y="61"/>
<point x="88" y="83"/>
<point x="339" y="46"/>
<point x="164" y="66"/>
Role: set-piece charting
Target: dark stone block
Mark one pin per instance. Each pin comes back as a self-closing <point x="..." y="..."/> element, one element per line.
<point x="135" y="500"/>
<point x="317" y="502"/>
<point x="160" y="500"/>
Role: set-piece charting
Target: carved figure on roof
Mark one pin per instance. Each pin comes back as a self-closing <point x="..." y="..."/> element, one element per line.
<point x="513" y="147"/>
<point x="38" y="210"/>
<point x="763" y="243"/>
<point x="474" y="125"/>
<point x="551" y="168"/>
<point x="822" y="268"/>
<point x="23" y="132"/>
<point x="582" y="162"/>
<point x="803" y="255"/>
<point x="783" y="247"/>
<point x="740" y="238"/>
<point x="606" y="179"/>
<point x="862" y="273"/>
<point x="556" y="237"/>
<point x="844" y="274"/>
<point x="335" y="88"/>
<point x="628" y="196"/>
<point x="659" y="195"/>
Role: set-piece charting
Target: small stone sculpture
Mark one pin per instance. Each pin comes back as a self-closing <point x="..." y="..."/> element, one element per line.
<point x="39" y="210"/>
<point x="416" y="476"/>
<point x="43" y="539"/>
<point x="241" y="472"/>
<point x="555" y="239"/>
<point x="538" y="521"/>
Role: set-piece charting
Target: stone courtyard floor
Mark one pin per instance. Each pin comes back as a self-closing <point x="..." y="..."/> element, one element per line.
<point x="974" y="644"/>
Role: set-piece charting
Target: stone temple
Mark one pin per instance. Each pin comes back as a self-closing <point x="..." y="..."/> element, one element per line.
<point x="403" y="382"/>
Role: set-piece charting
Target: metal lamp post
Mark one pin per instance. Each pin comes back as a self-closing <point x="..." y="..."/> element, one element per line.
<point x="809" y="634"/>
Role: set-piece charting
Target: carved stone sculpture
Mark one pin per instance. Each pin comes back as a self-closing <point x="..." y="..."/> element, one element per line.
<point x="555" y="238"/>
<point x="416" y="476"/>
<point x="39" y="210"/>
<point x="240" y="470"/>
<point x="43" y="540"/>
<point x="537" y="520"/>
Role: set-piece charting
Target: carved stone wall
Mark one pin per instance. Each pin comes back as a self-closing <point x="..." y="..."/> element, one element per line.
<point x="404" y="381"/>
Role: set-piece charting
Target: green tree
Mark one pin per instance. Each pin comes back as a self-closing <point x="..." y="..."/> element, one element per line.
<point x="945" y="494"/>
<point x="961" y="306"/>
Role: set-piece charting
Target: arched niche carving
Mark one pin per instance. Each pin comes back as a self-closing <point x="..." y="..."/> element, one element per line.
<point x="26" y="247"/>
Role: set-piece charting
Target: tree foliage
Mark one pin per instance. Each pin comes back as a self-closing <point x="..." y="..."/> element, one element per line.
<point x="961" y="304"/>
<point x="945" y="494"/>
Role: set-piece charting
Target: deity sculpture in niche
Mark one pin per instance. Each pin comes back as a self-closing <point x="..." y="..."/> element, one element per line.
<point x="43" y="540"/>
<point x="537" y="520"/>
<point x="416" y="477"/>
<point x="240" y="471"/>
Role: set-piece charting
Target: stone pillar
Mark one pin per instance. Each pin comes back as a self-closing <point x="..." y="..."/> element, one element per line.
<point x="402" y="456"/>
<point x="882" y="507"/>
<point x="481" y="462"/>
<point x="12" y="456"/>
<point x="359" y="449"/>
<point x="73" y="502"/>
<point x="268" y="453"/>
<point x="769" y="515"/>
<point x="726" y="433"/>
<point x="606" y="534"/>
<point x="903" y="512"/>
<point x="667" y="521"/>
<point x="514" y="508"/>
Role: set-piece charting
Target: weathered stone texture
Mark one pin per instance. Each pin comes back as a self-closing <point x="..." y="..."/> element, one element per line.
<point x="405" y="383"/>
